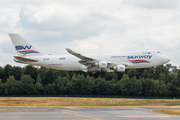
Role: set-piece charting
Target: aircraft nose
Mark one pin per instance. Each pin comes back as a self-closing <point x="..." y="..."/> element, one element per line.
<point x="165" y="59"/>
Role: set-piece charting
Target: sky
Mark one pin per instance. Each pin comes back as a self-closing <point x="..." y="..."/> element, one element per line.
<point x="91" y="26"/>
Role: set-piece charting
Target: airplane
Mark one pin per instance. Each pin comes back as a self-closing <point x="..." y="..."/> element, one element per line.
<point x="119" y="62"/>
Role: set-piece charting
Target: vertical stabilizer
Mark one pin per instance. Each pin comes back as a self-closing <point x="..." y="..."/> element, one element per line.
<point x="23" y="47"/>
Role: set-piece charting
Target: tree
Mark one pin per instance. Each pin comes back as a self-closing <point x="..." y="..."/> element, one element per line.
<point x="51" y="89"/>
<point x="141" y="82"/>
<point x="1" y="72"/>
<point x="6" y="72"/>
<point x="178" y="78"/>
<point x="39" y="88"/>
<point x="28" y="86"/>
<point x="41" y="72"/>
<point x="30" y="70"/>
<point x="123" y="86"/>
<point x="60" y="84"/>
<point x="38" y="79"/>
<point x="163" y="89"/>
<point x="16" y="72"/>
<point x="71" y="88"/>
<point x="90" y="85"/>
<point x="135" y="86"/>
<point x="101" y="87"/>
<point x="19" y="88"/>
<point x="150" y="87"/>
<point x="145" y="74"/>
<point x="173" y="90"/>
<point x="49" y="77"/>
<point x="1" y="87"/>
<point x="109" y="76"/>
<point x="80" y="85"/>
<point x="112" y="87"/>
<point x="131" y="73"/>
<point x="10" y="86"/>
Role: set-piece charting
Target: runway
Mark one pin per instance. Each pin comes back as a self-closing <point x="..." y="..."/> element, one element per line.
<point x="87" y="113"/>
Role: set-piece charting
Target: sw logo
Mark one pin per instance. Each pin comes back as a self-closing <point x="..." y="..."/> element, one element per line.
<point x="20" y="47"/>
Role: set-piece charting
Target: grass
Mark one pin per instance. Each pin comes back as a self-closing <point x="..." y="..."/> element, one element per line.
<point x="21" y="109"/>
<point x="71" y="101"/>
<point x="171" y="112"/>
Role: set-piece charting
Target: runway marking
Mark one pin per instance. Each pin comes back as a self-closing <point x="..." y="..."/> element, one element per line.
<point x="144" y="116"/>
<point x="81" y="115"/>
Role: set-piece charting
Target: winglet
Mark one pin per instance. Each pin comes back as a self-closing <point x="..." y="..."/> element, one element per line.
<point x="70" y="51"/>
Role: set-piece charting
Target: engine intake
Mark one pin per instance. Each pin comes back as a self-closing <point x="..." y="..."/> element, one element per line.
<point x="119" y="68"/>
<point x="101" y="64"/>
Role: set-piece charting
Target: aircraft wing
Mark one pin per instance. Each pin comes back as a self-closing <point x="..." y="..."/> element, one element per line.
<point x="87" y="61"/>
<point x="82" y="57"/>
<point x="90" y="62"/>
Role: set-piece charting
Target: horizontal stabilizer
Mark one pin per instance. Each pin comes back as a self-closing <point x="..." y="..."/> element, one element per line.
<point x="25" y="59"/>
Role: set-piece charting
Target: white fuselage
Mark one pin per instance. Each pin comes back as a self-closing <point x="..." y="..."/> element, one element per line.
<point x="137" y="59"/>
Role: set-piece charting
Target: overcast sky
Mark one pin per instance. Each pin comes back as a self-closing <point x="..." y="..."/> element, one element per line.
<point x="91" y="26"/>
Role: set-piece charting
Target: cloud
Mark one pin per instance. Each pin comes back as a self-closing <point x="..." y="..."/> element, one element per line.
<point x="7" y="58"/>
<point x="70" y="21"/>
<point x="153" y="4"/>
<point x="91" y="26"/>
<point x="9" y="18"/>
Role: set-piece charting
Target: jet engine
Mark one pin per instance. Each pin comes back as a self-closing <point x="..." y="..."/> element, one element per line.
<point x="119" y="68"/>
<point x="101" y="64"/>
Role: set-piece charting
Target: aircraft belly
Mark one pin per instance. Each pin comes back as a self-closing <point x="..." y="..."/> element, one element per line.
<point x="141" y="65"/>
<point x="66" y="63"/>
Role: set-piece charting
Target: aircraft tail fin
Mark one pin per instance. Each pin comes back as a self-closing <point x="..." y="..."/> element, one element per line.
<point x="23" y="47"/>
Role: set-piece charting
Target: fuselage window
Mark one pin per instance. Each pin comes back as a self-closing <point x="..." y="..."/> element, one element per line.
<point x="46" y="59"/>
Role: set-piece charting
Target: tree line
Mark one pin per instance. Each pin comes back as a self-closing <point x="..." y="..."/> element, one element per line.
<point x="30" y="80"/>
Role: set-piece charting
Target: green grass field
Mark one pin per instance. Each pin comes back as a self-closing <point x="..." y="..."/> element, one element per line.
<point x="84" y="102"/>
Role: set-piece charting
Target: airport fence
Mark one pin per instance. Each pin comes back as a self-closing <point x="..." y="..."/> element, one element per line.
<point x="93" y="96"/>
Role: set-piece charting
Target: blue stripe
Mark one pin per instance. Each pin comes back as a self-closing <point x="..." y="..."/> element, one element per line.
<point x="28" y="52"/>
<point x="141" y="62"/>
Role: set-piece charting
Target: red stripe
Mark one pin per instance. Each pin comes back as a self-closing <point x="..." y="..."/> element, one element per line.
<point x="138" y="60"/>
<point x="28" y="51"/>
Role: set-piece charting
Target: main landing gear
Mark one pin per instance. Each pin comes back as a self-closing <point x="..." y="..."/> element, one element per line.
<point x="97" y="74"/>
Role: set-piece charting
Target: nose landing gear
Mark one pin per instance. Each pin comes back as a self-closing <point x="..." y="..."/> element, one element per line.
<point x="154" y="69"/>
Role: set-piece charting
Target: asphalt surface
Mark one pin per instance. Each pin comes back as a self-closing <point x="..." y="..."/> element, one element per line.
<point x="87" y="113"/>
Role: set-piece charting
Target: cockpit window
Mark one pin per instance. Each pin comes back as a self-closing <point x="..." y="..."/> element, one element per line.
<point x="158" y="51"/>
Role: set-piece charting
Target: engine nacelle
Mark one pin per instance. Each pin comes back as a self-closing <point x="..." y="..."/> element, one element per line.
<point x="119" y="68"/>
<point x="101" y="64"/>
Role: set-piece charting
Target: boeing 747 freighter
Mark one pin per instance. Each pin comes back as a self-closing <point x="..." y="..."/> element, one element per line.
<point x="28" y="54"/>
